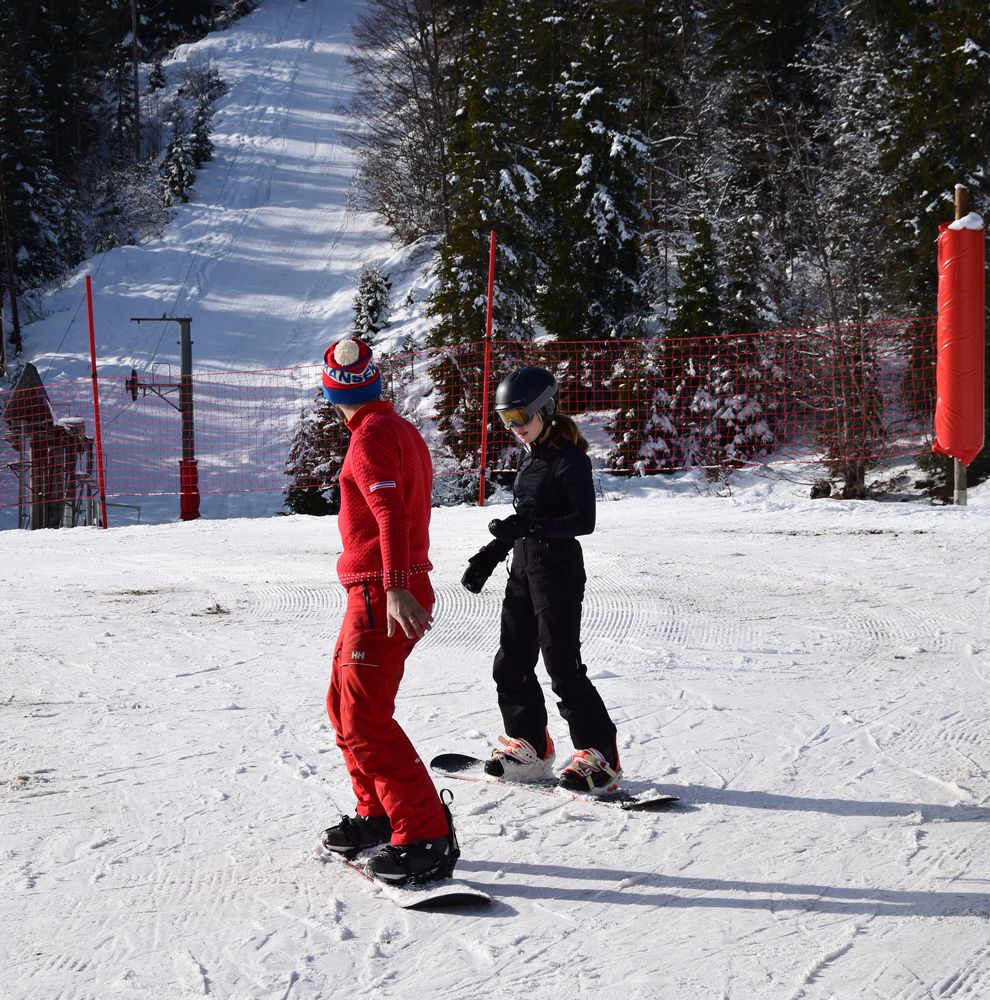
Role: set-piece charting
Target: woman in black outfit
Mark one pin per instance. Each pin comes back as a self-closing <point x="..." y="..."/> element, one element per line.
<point x="554" y="500"/>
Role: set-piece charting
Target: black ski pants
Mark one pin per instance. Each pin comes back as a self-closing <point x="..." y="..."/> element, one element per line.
<point x="541" y="613"/>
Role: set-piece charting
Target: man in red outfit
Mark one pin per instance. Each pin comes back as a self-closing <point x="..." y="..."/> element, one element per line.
<point x="385" y="493"/>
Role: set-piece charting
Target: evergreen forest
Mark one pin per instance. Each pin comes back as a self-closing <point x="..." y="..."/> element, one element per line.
<point x="686" y="169"/>
<point x="680" y="163"/>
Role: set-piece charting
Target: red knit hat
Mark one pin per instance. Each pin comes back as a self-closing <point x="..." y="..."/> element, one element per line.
<point x="350" y="374"/>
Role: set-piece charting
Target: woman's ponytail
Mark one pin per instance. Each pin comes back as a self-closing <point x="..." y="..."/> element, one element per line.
<point x="563" y="428"/>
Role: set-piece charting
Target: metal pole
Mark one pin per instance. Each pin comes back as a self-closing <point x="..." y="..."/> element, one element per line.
<point x="959" y="485"/>
<point x="101" y="478"/>
<point x="188" y="472"/>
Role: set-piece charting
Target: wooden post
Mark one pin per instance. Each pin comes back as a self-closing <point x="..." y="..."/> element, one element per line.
<point x="959" y="484"/>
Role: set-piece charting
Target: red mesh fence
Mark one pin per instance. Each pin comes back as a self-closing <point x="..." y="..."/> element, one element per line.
<point x="838" y="394"/>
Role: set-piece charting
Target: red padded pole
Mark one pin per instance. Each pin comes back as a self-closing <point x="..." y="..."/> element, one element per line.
<point x="960" y="339"/>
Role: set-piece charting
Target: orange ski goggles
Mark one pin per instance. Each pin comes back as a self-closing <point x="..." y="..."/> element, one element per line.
<point x="517" y="416"/>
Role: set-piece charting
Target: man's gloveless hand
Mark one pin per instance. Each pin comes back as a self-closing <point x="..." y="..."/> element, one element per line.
<point x="403" y="609"/>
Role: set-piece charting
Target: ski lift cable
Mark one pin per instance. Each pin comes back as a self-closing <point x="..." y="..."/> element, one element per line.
<point x="58" y="350"/>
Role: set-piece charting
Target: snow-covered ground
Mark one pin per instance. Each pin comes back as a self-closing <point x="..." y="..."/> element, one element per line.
<point x="811" y="677"/>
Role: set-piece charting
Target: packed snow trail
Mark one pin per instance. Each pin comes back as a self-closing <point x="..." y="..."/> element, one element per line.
<point x="265" y="259"/>
<point x="811" y="678"/>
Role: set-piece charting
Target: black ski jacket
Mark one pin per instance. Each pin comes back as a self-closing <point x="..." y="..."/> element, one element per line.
<point x="554" y="488"/>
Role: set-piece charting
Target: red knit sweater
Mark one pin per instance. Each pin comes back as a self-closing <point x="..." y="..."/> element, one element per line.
<point x="386" y="483"/>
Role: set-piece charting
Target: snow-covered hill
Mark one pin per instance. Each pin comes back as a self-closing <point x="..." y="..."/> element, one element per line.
<point x="266" y="256"/>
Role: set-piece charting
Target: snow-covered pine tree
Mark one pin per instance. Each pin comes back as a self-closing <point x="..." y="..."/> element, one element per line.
<point x="939" y="118"/>
<point x="650" y="35"/>
<point x="758" y="94"/>
<point x="156" y="76"/>
<point x="314" y="460"/>
<point x="164" y="25"/>
<point x="200" y="143"/>
<point x="495" y="184"/>
<point x="371" y="304"/>
<point x="690" y="345"/>
<point x="641" y="429"/>
<point x="72" y="125"/>
<point x="233" y="11"/>
<point x="594" y="168"/>
<point x="178" y="169"/>
<point x="743" y="420"/>
<point x="42" y="208"/>
<point x="734" y="421"/>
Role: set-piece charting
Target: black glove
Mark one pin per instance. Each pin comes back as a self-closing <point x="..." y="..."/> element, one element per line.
<point x="513" y="527"/>
<point x="482" y="564"/>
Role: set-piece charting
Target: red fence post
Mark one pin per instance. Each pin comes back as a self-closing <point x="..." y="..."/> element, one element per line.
<point x="100" y="476"/>
<point x="959" y="415"/>
<point x="486" y="372"/>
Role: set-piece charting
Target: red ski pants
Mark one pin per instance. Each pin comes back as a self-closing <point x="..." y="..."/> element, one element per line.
<point x="368" y="664"/>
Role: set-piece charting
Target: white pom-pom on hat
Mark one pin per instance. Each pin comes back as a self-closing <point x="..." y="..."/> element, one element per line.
<point x="346" y="352"/>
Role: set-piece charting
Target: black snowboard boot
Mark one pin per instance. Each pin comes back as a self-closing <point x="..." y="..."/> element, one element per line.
<point x="420" y="861"/>
<point x="355" y="833"/>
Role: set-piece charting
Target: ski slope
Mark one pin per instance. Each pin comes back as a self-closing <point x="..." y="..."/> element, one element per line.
<point x="266" y="257"/>
<point x="811" y="678"/>
<point x="265" y="260"/>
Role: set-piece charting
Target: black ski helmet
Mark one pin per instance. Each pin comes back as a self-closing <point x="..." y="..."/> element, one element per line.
<point x="525" y="393"/>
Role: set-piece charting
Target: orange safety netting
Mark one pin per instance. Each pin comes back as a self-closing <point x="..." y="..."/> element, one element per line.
<point x="823" y="395"/>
